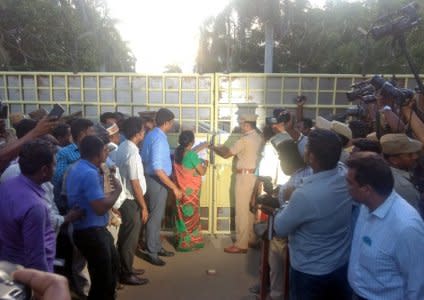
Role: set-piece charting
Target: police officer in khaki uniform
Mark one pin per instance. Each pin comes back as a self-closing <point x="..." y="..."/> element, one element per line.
<point x="247" y="151"/>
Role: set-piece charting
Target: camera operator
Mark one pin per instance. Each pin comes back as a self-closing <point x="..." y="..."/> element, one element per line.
<point x="282" y="123"/>
<point x="317" y="222"/>
<point x="413" y="120"/>
<point x="401" y="153"/>
<point x="378" y="103"/>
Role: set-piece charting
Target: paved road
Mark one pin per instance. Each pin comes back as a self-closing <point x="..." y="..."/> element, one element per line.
<point x="185" y="278"/>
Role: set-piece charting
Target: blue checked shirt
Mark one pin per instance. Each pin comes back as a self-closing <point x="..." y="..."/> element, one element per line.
<point x="155" y="153"/>
<point x="64" y="158"/>
<point x="386" y="260"/>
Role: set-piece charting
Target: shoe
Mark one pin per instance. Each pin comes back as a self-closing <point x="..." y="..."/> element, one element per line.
<point x="138" y="271"/>
<point x="165" y="253"/>
<point x="155" y="260"/>
<point x="134" y="280"/>
<point x="234" y="250"/>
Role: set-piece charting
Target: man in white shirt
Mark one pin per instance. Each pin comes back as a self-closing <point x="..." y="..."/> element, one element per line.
<point x="386" y="259"/>
<point x="134" y="209"/>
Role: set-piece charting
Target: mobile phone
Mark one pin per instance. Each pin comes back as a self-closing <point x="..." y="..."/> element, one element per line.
<point x="10" y="289"/>
<point x="56" y="112"/>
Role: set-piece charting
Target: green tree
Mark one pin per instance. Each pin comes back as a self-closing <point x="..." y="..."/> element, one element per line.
<point x="173" y="68"/>
<point x="61" y="35"/>
<point x="307" y="39"/>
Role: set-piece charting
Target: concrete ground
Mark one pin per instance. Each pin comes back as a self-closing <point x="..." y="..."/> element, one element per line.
<point x="185" y="275"/>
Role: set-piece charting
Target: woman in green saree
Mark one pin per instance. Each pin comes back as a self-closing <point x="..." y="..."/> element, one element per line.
<point x="188" y="172"/>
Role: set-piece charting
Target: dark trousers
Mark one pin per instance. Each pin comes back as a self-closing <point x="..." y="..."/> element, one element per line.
<point x="96" y="245"/>
<point x="129" y="232"/>
<point x="157" y="195"/>
<point x="332" y="286"/>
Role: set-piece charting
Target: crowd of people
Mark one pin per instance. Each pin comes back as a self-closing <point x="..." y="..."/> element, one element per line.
<point x="89" y="189"/>
<point x="81" y="198"/>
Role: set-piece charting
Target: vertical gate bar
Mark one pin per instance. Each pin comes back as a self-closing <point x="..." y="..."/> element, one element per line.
<point x="67" y="109"/>
<point x="335" y="81"/>
<point x="98" y="94"/>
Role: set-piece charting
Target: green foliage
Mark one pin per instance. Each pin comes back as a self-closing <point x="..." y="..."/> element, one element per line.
<point x="307" y="39"/>
<point x="60" y="35"/>
<point x="172" y="68"/>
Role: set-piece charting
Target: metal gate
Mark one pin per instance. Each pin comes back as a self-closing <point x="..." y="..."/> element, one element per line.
<point x="206" y="104"/>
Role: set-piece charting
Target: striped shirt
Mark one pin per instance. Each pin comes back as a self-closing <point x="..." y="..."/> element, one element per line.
<point x="386" y="260"/>
<point x="64" y="158"/>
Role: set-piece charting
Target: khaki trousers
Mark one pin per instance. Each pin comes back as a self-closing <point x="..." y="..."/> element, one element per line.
<point x="244" y="186"/>
<point x="277" y="275"/>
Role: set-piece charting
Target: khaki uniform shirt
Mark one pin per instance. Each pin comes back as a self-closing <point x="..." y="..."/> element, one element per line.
<point x="247" y="149"/>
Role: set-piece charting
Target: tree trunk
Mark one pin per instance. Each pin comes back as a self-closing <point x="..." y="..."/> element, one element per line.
<point x="269" y="46"/>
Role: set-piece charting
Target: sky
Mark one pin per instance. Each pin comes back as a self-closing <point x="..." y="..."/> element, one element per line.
<point x="162" y="32"/>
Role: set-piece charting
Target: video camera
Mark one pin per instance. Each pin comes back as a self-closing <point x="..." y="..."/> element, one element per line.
<point x="280" y="116"/>
<point x="360" y="90"/>
<point x="388" y="90"/>
<point x="357" y="111"/>
<point x="268" y="199"/>
<point x="398" y="22"/>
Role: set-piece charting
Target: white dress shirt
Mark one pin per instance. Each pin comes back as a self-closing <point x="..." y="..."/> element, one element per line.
<point x="130" y="167"/>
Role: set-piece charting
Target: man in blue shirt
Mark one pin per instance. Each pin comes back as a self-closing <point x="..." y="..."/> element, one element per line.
<point x="317" y="222"/>
<point x="156" y="158"/>
<point x="388" y="242"/>
<point x="84" y="188"/>
<point x="68" y="155"/>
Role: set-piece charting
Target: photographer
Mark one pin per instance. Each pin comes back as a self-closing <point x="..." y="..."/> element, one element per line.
<point x="416" y="124"/>
<point x="282" y="123"/>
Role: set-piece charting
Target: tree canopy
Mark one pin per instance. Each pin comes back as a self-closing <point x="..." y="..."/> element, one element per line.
<point x="307" y="39"/>
<point x="61" y="35"/>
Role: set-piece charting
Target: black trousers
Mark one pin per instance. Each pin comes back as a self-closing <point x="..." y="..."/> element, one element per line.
<point x="129" y="232"/>
<point x="96" y="244"/>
